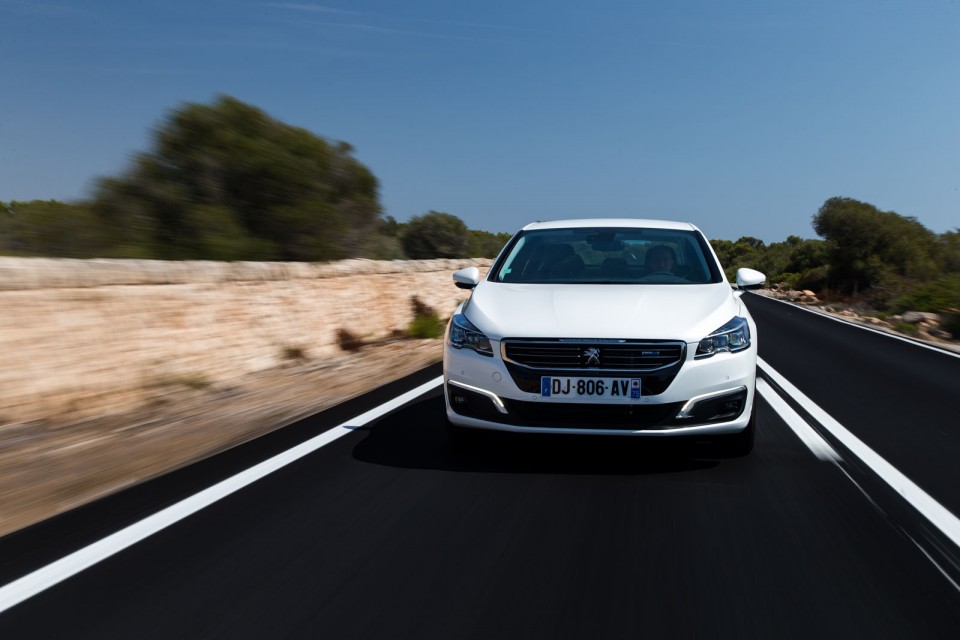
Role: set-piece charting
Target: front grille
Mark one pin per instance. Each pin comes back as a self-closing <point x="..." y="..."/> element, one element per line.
<point x="619" y="355"/>
<point x="655" y="362"/>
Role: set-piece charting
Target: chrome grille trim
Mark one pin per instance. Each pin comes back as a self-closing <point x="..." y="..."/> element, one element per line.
<point x="560" y="354"/>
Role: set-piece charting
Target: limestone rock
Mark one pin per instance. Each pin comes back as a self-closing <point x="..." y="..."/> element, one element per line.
<point x="916" y="317"/>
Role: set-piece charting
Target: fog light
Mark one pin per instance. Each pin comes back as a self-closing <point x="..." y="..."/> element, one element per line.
<point x="730" y="407"/>
<point x="474" y="402"/>
<point x="725" y="405"/>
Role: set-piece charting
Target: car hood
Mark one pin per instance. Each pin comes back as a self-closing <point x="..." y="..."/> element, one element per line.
<point x="655" y="312"/>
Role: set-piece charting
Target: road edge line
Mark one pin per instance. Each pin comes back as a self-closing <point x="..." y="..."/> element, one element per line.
<point x="40" y="580"/>
<point x="807" y="434"/>
<point x="938" y="515"/>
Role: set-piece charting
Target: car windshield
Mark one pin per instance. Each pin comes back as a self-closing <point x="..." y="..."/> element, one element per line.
<point x="607" y="255"/>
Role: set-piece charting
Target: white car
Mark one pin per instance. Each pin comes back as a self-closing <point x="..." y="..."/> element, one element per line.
<point x="605" y="327"/>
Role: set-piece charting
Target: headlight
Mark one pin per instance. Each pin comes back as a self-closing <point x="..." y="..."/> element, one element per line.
<point x="731" y="337"/>
<point x="463" y="335"/>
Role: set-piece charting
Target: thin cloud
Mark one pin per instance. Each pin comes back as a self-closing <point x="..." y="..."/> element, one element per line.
<point x="317" y="8"/>
<point x="474" y="25"/>
<point x="357" y="26"/>
<point x="277" y="45"/>
<point x="314" y="8"/>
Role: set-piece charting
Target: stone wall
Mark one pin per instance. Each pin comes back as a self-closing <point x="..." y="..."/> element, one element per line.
<point x="81" y="335"/>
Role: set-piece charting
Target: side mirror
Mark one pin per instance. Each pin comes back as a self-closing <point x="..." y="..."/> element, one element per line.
<point x="467" y="278"/>
<point x="750" y="279"/>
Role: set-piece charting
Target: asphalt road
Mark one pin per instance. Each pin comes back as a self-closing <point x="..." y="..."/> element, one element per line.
<point x="391" y="532"/>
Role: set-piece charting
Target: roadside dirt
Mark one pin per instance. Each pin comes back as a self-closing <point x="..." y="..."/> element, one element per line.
<point x="55" y="464"/>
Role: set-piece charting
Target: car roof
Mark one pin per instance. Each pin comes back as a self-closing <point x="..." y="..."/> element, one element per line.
<point x="611" y="222"/>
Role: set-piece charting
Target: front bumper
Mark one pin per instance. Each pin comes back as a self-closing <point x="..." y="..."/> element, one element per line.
<point x="711" y="396"/>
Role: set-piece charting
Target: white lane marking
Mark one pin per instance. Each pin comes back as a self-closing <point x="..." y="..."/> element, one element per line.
<point x="923" y="502"/>
<point x="31" y="584"/>
<point x="814" y="441"/>
<point x="823" y="314"/>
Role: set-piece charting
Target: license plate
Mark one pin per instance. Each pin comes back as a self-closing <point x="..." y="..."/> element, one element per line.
<point x="606" y="388"/>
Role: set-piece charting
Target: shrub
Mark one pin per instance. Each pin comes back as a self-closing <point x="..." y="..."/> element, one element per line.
<point x="197" y="381"/>
<point x="426" y="322"/>
<point x="905" y="327"/>
<point x="934" y="296"/>
<point x="786" y="280"/>
<point x="348" y="341"/>
<point x="426" y="326"/>
<point x="814" y="279"/>
<point x="291" y="352"/>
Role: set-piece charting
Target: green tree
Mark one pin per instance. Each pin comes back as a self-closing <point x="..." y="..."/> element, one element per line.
<point x="483" y="244"/>
<point x="276" y="191"/>
<point x="435" y="235"/>
<point x="385" y="243"/>
<point x="805" y="254"/>
<point x="867" y="247"/>
<point x="950" y="251"/>
<point x="49" y="228"/>
<point x="795" y="261"/>
<point x="745" y="252"/>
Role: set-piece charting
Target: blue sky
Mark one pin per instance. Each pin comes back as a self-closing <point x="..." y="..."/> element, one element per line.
<point x="742" y="117"/>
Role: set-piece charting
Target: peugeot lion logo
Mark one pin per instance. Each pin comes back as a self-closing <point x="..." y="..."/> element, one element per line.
<point x="592" y="356"/>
